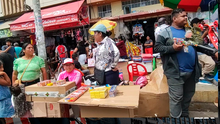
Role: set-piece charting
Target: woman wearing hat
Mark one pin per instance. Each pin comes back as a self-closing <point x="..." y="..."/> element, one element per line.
<point x="70" y="72"/>
<point x="106" y="57"/>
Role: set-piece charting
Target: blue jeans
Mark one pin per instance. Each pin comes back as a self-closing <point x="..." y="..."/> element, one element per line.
<point x="6" y="108"/>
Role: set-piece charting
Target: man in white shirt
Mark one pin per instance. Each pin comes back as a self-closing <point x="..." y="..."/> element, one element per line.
<point x="162" y="24"/>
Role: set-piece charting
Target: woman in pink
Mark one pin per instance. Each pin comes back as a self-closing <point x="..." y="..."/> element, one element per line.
<point x="70" y="72"/>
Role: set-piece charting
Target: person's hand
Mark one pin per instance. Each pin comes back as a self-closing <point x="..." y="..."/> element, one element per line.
<point x="2" y="73"/>
<point x="177" y="47"/>
<point x="216" y="55"/>
<point x="115" y="69"/>
<point x="16" y="83"/>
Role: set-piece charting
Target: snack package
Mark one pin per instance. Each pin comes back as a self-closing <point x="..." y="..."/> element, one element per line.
<point x="60" y="82"/>
<point x="113" y="91"/>
<point x="100" y="93"/>
<point x="43" y="83"/>
<point x="76" y="94"/>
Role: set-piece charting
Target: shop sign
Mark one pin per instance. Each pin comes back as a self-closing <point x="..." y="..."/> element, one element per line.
<point x="5" y="33"/>
<point x="46" y="22"/>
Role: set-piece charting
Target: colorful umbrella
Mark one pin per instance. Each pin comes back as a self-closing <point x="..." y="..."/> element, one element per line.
<point x="108" y="24"/>
<point x="190" y="5"/>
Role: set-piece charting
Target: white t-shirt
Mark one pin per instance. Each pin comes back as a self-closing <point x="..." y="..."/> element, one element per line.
<point x="159" y="29"/>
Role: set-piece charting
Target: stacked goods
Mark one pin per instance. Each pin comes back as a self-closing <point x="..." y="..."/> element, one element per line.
<point x="113" y="91"/>
<point x="76" y="94"/>
<point x="60" y="82"/>
<point x="99" y="93"/>
<point x="49" y="83"/>
<point x="43" y="83"/>
<point x="137" y="58"/>
<point x="147" y="57"/>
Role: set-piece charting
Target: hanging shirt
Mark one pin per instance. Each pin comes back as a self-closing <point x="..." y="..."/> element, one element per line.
<point x="60" y="50"/>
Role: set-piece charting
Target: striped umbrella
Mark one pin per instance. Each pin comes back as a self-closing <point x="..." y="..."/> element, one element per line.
<point x="190" y="5"/>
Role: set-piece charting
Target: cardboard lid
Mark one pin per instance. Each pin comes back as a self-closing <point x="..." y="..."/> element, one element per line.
<point x="127" y="97"/>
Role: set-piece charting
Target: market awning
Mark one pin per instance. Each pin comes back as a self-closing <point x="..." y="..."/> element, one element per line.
<point x="145" y="14"/>
<point x="58" y="17"/>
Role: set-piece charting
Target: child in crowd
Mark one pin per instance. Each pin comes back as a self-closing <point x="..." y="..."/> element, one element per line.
<point x="6" y="108"/>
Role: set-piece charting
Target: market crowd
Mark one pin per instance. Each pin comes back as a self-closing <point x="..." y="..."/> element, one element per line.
<point x="183" y="66"/>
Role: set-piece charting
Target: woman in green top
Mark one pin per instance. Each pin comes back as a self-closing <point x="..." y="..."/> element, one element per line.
<point x="31" y="76"/>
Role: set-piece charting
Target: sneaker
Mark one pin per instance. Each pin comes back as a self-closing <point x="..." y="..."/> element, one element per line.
<point x="204" y="81"/>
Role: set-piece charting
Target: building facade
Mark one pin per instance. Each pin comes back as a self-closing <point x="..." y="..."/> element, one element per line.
<point x="129" y="13"/>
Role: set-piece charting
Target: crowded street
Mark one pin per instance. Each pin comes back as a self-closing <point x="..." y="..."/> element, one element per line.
<point x="109" y="62"/>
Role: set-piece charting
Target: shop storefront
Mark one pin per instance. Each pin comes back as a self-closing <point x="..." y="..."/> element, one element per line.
<point x="65" y="22"/>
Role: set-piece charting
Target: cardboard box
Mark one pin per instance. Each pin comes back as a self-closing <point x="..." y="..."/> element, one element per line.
<point x="122" y="105"/>
<point x="105" y="112"/>
<point x="48" y="93"/>
<point x="154" y="98"/>
<point x="122" y="67"/>
<point x="50" y="109"/>
<point x="40" y="109"/>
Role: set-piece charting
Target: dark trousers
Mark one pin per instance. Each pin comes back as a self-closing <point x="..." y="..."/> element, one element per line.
<point x="31" y="83"/>
<point x="181" y="92"/>
<point x="112" y="77"/>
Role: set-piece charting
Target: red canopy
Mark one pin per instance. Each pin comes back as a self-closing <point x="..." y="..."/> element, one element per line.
<point x="61" y="16"/>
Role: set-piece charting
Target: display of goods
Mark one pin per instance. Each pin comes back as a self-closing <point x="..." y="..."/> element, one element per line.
<point x="147" y="57"/>
<point x="137" y="58"/>
<point x="113" y="91"/>
<point x="99" y="93"/>
<point x="43" y="83"/>
<point x="50" y="84"/>
<point x="76" y="94"/>
<point x="132" y="50"/>
<point x="60" y="82"/>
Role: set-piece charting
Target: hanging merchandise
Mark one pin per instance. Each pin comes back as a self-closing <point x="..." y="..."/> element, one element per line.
<point x="132" y="50"/>
<point x="33" y="39"/>
<point x="138" y="29"/>
<point x="72" y="34"/>
<point x="126" y="32"/>
<point x="78" y="35"/>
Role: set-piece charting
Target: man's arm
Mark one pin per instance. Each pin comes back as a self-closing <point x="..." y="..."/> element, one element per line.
<point x="164" y="49"/>
<point x="15" y="55"/>
<point x="6" y="50"/>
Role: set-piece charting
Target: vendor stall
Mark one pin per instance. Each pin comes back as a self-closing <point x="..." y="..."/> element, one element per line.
<point x="122" y="105"/>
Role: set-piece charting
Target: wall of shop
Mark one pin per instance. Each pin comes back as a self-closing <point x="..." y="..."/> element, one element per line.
<point x="1" y="11"/>
<point x="45" y="3"/>
<point x="10" y="7"/>
<point x="116" y="8"/>
<point x="147" y="8"/>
